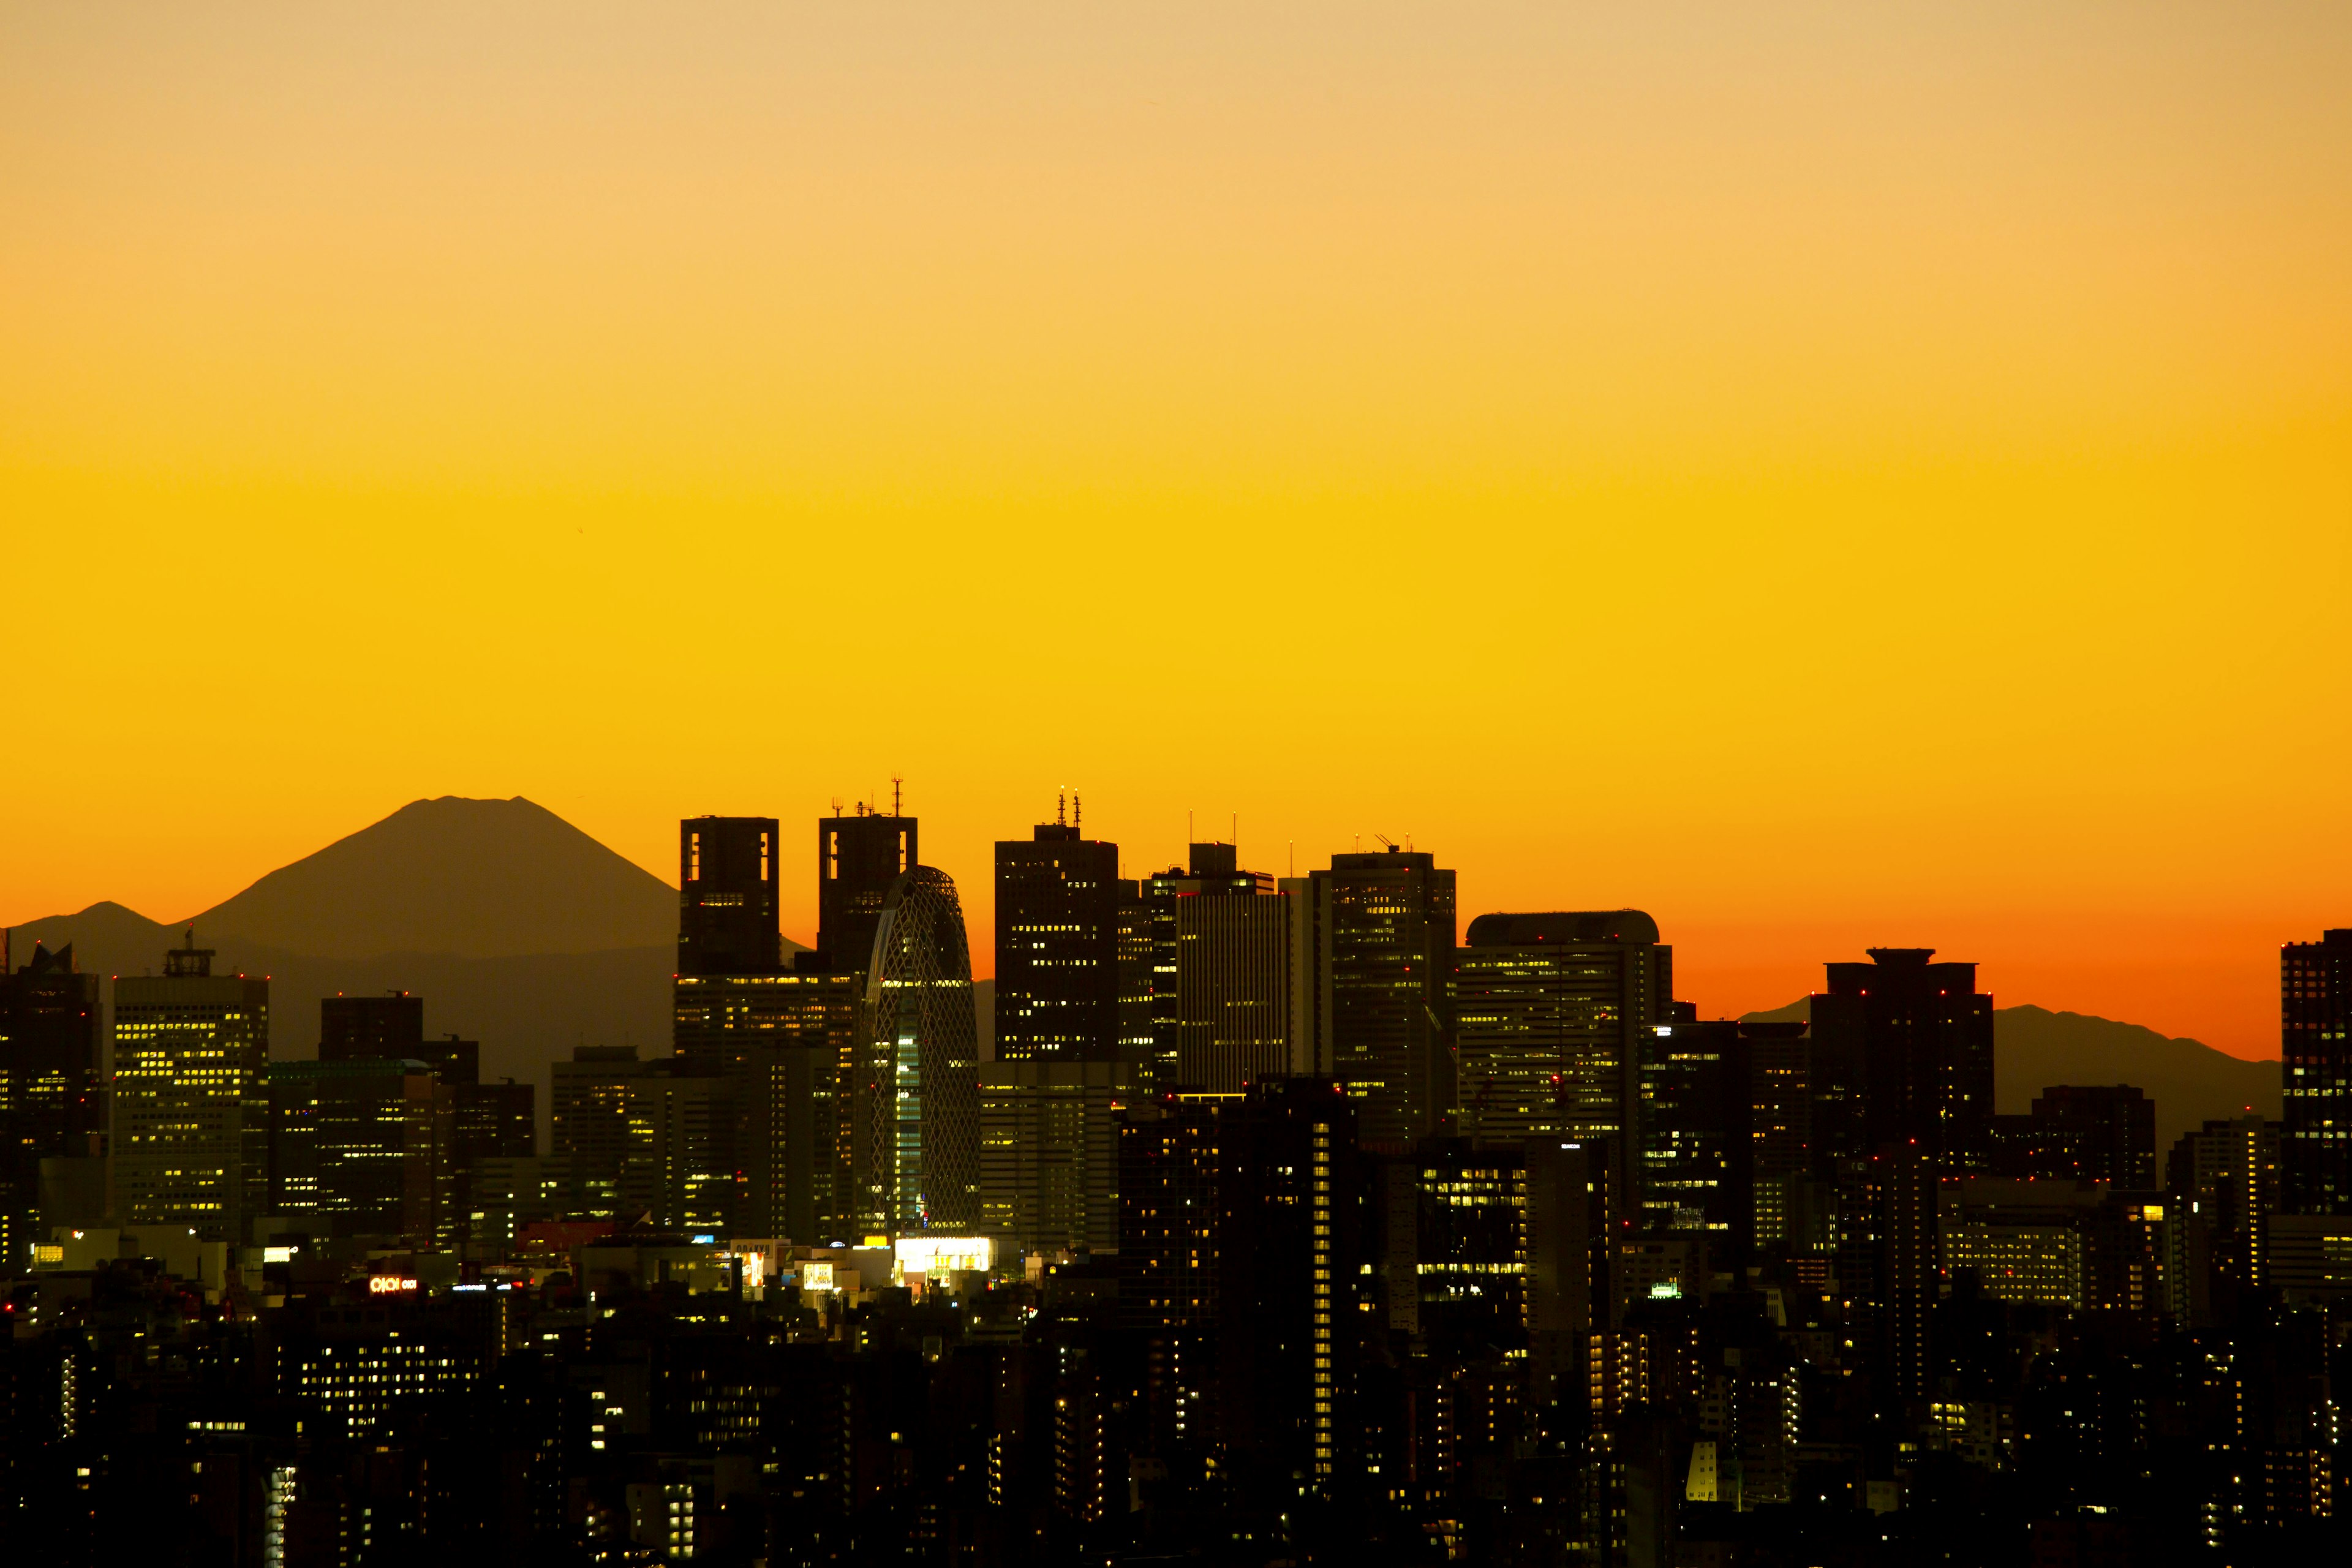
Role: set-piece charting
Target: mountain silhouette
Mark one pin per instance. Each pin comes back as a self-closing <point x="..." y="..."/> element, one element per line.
<point x="2033" y="1047"/>
<point x="517" y="929"/>
<point x="472" y="879"/>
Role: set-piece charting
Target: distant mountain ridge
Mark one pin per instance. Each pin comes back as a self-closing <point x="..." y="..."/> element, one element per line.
<point x="2190" y="1082"/>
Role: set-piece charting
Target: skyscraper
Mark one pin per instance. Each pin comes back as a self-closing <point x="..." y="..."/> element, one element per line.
<point x="1903" y="1053"/>
<point x="2316" y="1069"/>
<point x="1232" y="951"/>
<point x="1552" y="1014"/>
<point x="52" y="1086"/>
<point x="916" y="1090"/>
<point x="858" y="858"/>
<point x="727" y="912"/>
<point x="1049" y="1155"/>
<point x="365" y="1143"/>
<point x="191" y="1127"/>
<point x="389" y="1026"/>
<point x="1380" y="927"/>
<point x="599" y="1120"/>
<point x="1057" y="903"/>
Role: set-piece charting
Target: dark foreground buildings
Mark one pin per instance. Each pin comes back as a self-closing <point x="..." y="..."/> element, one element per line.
<point x="1587" y="1279"/>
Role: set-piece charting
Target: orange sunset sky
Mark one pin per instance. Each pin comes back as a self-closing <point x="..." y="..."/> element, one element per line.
<point x="1828" y="474"/>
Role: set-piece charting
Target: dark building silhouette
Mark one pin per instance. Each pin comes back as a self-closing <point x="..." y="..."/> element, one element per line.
<point x="791" y="1040"/>
<point x="598" y="1122"/>
<point x="1168" y="1208"/>
<point x="52" y="1089"/>
<point x="1057" y="920"/>
<point x="1150" y="942"/>
<point x="858" y="858"/>
<point x="727" y="908"/>
<point x="2315" y="1072"/>
<point x="1289" y="1222"/>
<point x="916" y="1105"/>
<point x="363" y="1143"/>
<point x="386" y="1027"/>
<point x="1721" y="1132"/>
<point x="1902" y="1053"/>
<point x="2104" y="1132"/>
<point x="1380" y="929"/>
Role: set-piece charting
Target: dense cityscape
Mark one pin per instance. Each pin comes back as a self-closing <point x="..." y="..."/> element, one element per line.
<point x="1260" y="1220"/>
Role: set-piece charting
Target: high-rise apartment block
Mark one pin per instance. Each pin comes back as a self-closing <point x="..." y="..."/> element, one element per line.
<point x="192" y="1126"/>
<point x="1379" y="932"/>
<point x="1552" y="1015"/>
<point x="53" y="1108"/>
<point x="727" y="910"/>
<point x="2316" y="1068"/>
<point x="1057" y="921"/>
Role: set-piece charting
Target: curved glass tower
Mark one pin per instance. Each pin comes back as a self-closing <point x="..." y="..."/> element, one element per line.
<point x="918" y="1079"/>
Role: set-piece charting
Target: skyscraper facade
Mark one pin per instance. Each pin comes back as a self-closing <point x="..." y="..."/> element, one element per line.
<point x="1902" y="1053"/>
<point x="1552" y="1014"/>
<point x="858" y="858"/>
<point x="1049" y="1155"/>
<point x="389" y="1026"/>
<point x="1057" y="917"/>
<point x="1381" y="928"/>
<point x="917" y="1106"/>
<point x="52" y="1087"/>
<point x="1232" y="951"/>
<point x="727" y="908"/>
<point x="2316" y="1069"/>
<point x="191" y="1127"/>
<point x="364" y="1144"/>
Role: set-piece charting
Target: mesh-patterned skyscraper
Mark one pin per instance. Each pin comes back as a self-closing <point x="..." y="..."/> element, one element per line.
<point x="918" y="1083"/>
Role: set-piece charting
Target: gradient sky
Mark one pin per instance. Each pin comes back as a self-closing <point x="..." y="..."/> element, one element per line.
<point x="1828" y="474"/>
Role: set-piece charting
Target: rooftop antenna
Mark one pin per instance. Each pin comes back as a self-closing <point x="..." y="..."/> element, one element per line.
<point x="895" y="782"/>
<point x="1387" y="840"/>
<point x="1073" y="811"/>
<point x="1061" y="806"/>
<point x="837" y="806"/>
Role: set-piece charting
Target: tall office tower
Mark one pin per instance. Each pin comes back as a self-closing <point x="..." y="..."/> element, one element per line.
<point x="1903" y="1053"/>
<point x="191" y="1119"/>
<point x="1168" y="1252"/>
<point x="2226" y="1174"/>
<point x="1057" y="899"/>
<point x="52" y="1090"/>
<point x="1463" y="1270"/>
<point x="2315" y="1072"/>
<point x="1381" y="929"/>
<point x="916" y="1086"/>
<point x="598" y="1119"/>
<point x="1574" y="1222"/>
<point x="1551" y="1015"/>
<point x="1049" y="1155"/>
<point x="1694" y="1149"/>
<point x="1234" y="942"/>
<point x="1781" y="1125"/>
<point x="1288" y="1238"/>
<point x="364" y="1144"/>
<point x="727" y="919"/>
<point x="695" y="1184"/>
<point x="791" y="1041"/>
<point x="858" y="858"/>
<point x="386" y="1027"/>
<point x="1150" y="1018"/>
<point x="1138" y="954"/>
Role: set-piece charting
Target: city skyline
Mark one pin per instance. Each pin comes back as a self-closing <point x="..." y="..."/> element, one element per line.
<point x="1928" y="428"/>
<point x="1721" y="985"/>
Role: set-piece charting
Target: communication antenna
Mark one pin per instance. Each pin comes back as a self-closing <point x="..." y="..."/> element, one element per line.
<point x="1387" y="840"/>
<point x="895" y="782"/>
<point x="1061" y="806"/>
<point x="1073" y="811"/>
<point x="837" y="806"/>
